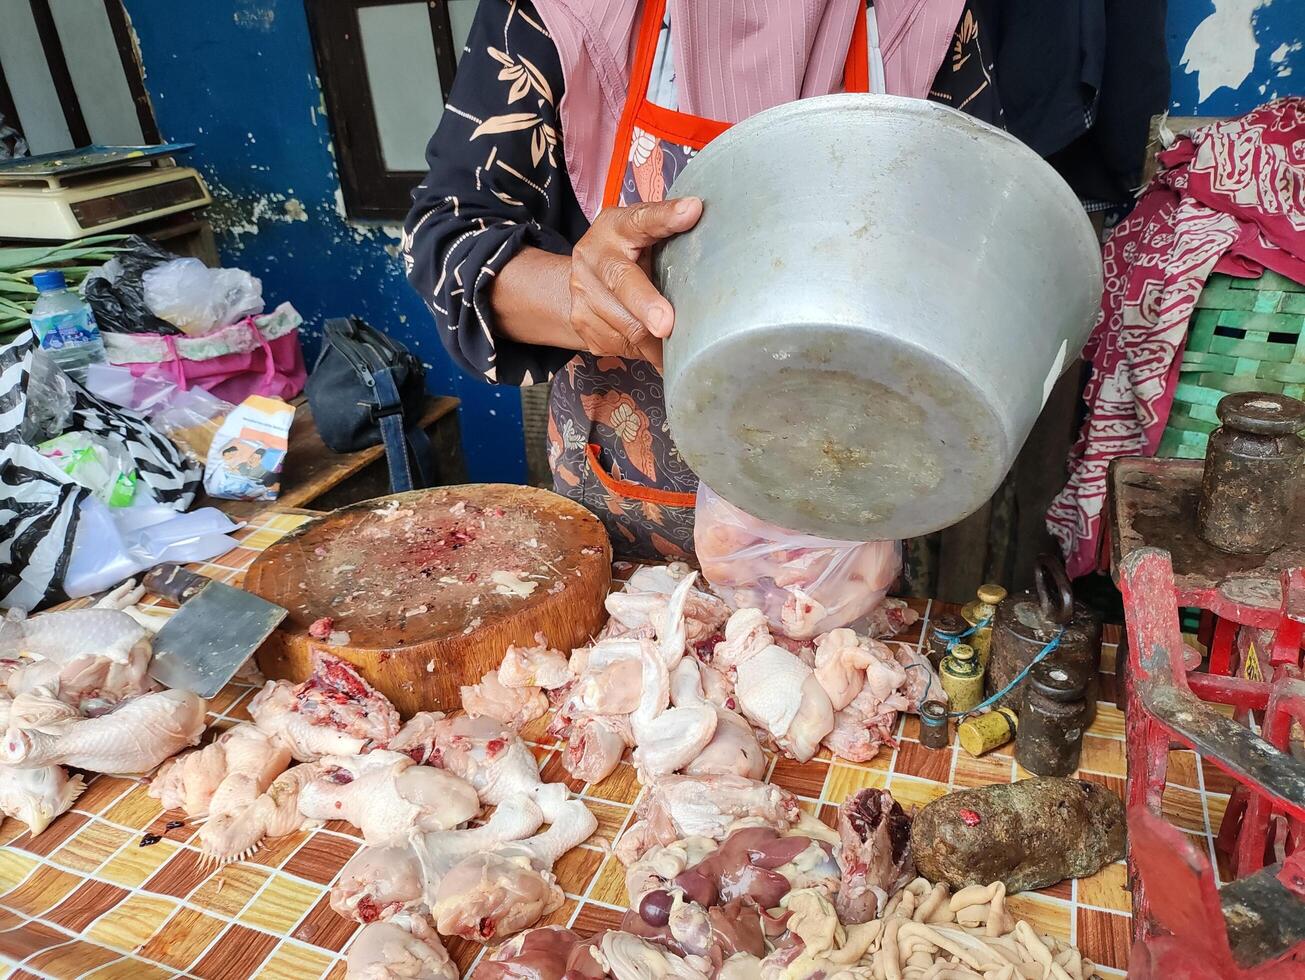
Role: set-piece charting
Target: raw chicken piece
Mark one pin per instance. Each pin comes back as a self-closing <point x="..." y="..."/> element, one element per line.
<point x="134" y="738"/>
<point x="922" y="683"/>
<point x="276" y="711"/>
<point x="595" y="746"/>
<point x="190" y="781"/>
<point x="733" y="748"/>
<point x="586" y="660"/>
<point x="624" y="955"/>
<point x="704" y="614"/>
<point x="875" y="853"/>
<point x="890" y="618"/>
<point x="336" y="696"/>
<point x="536" y="666"/>
<point x="704" y="806"/>
<point x="403" y="948"/>
<point x="801" y="616"/>
<point x="884" y="676"/>
<point x="746" y="635"/>
<point x="864" y="726"/>
<point x="666" y="738"/>
<point x="241" y="820"/>
<point x="609" y="690"/>
<point x="378" y="882"/>
<point x="494" y="761"/>
<point x="387" y="796"/>
<point x="657" y="578"/>
<point x="841" y="661"/>
<point x="510" y="706"/>
<point x="537" y="954"/>
<point x="92" y="684"/>
<point x="72" y="633"/>
<point x="497" y="893"/>
<point x="781" y="694"/>
<point x="37" y="796"/>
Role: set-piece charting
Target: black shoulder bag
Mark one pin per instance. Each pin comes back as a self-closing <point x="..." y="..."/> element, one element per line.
<point x="367" y="388"/>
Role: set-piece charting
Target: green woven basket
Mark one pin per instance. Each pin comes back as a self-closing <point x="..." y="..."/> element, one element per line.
<point x="1245" y="335"/>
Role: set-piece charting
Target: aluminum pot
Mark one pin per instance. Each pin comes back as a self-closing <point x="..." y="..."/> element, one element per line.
<point x="871" y="312"/>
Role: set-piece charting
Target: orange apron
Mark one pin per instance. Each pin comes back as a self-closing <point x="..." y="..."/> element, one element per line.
<point x="609" y="442"/>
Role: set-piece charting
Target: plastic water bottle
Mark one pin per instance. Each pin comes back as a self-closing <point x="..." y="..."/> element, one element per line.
<point x="65" y="326"/>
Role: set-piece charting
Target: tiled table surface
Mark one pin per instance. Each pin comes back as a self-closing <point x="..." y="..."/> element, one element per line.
<point x="88" y="899"/>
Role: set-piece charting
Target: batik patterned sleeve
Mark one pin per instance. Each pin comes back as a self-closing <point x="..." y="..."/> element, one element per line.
<point x="497" y="183"/>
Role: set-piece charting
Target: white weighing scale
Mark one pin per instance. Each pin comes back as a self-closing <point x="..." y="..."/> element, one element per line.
<point x="65" y="196"/>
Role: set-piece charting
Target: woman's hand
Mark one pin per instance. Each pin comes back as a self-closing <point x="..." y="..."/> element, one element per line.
<point x="615" y="309"/>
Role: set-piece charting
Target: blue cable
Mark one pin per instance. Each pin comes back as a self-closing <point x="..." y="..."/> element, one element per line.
<point x="1042" y="655"/>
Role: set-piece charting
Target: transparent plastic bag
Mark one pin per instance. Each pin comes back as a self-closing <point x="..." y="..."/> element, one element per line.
<point x="191" y="419"/>
<point x="196" y="299"/>
<point x="102" y="466"/>
<point x="50" y="400"/>
<point x="805" y="585"/>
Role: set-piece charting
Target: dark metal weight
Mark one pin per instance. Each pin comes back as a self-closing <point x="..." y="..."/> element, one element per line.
<point x="1027" y="621"/>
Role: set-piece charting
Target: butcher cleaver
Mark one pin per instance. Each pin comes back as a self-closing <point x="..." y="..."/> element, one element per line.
<point x="203" y="644"/>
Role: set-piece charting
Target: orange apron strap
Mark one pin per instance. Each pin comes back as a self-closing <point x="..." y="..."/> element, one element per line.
<point x="635" y="491"/>
<point x="856" y="73"/>
<point x="650" y="28"/>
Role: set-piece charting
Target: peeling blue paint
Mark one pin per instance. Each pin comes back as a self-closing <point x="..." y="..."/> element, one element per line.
<point x="236" y="80"/>
<point x="1276" y="65"/>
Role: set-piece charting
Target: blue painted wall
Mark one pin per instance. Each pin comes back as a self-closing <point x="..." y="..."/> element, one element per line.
<point x="239" y="79"/>
<point x="1276" y="29"/>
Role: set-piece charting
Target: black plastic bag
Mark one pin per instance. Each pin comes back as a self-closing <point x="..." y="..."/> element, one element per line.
<point x="116" y="293"/>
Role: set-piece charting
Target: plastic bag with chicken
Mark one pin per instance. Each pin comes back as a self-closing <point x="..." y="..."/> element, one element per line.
<point x="805" y="585"/>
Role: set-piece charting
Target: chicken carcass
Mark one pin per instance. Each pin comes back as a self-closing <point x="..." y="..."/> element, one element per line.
<point x="874" y="854"/>
<point x="493" y="760"/>
<point x="240" y="819"/>
<point x="70" y="634"/>
<point x="91" y="683"/>
<point x="387" y="796"/>
<point x="536" y="666"/>
<point x="514" y="707"/>
<point x="864" y="726"/>
<point x="666" y="738"/>
<point x="733" y="748"/>
<point x="134" y="738"/>
<point x="379" y="882"/>
<point x="190" y="781"/>
<point x="402" y="948"/>
<point x="37" y="796"/>
<point x="674" y="807"/>
<point x="499" y="892"/>
<point x="781" y="694"/>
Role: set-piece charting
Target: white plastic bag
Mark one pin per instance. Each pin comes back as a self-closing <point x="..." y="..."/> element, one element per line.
<point x="805" y="585"/>
<point x="196" y="299"/>
<point x="111" y="545"/>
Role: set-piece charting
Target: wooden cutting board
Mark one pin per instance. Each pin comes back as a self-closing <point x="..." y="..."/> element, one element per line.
<point x="423" y="591"/>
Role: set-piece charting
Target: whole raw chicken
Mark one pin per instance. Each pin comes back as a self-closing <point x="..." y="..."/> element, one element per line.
<point x="387" y="796"/>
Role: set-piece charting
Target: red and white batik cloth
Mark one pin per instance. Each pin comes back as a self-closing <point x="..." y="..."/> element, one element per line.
<point x="1228" y="198"/>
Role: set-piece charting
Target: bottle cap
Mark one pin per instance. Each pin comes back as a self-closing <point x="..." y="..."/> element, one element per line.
<point x="49" y="280"/>
<point x="991" y="594"/>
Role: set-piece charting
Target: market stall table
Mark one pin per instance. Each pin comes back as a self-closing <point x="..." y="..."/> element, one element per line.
<point x="90" y="897"/>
